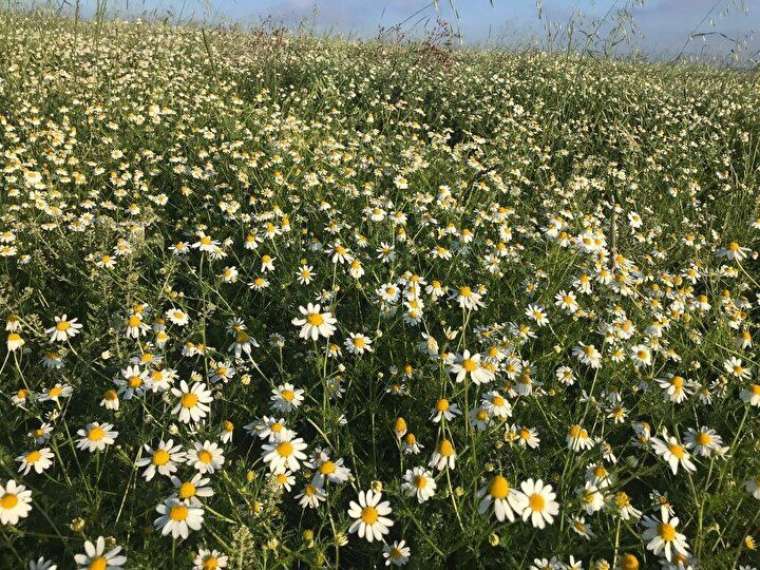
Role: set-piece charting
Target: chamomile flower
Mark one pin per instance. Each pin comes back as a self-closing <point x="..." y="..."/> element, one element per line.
<point x="444" y="455"/>
<point x="315" y="323"/>
<point x="674" y="453"/>
<point x="662" y="536"/>
<point x="15" y="502"/>
<point x="284" y="455"/>
<point x="505" y="499"/>
<point x="163" y="459"/>
<point x="192" y="490"/>
<point x="311" y="496"/>
<point x="193" y="404"/>
<point x="370" y="514"/>
<point x="96" y="436"/>
<point x="96" y="557"/>
<point x="64" y="329"/>
<point x="397" y="553"/>
<point x="178" y="518"/>
<point x="37" y="459"/>
<point x="209" y="560"/>
<point x="358" y="344"/>
<point x="206" y="457"/>
<point x="419" y="482"/>
<point x="539" y="503"/>
<point x="286" y="398"/>
<point x="444" y="410"/>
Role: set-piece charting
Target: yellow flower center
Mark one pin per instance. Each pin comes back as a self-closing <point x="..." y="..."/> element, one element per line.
<point x="135" y="382"/>
<point x="677" y="450"/>
<point x="442" y="405"/>
<point x="327" y="468"/>
<point x="465" y="292"/>
<point x="178" y="512"/>
<point x="446" y="448"/>
<point x="161" y="457"/>
<point x="55" y="391"/>
<point x="99" y="563"/>
<point x="8" y="501"/>
<point x="96" y="434"/>
<point x="369" y="515"/>
<point x="110" y="395"/>
<point x="285" y="449"/>
<point x="499" y="487"/>
<point x="210" y="563"/>
<point x="420" y="481"/>
<point x="204" y="456"/>
<point x="537" y="502"/>
<point x="186" y="490"/>
<point x="189" y="400"/>
<point x="469" y="364"/>
<point x="63" y="326"/>
<point x="33" y="456"/>
<point x="134" y="321"/>
<point x="315" y="319"/>
<point x="288" y="395"/>
<point x="667" y="532"/>
<point x="704" y="438"/>
<point x="755" y="389"/>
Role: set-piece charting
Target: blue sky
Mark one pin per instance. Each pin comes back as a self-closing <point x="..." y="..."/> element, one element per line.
<point x="664" y="25"/>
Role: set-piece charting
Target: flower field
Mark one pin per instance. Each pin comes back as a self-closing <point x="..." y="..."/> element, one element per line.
<point x="278" y="301"/>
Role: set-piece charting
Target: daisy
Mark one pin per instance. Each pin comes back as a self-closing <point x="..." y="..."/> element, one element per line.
<point x="329" y="471"/>
<point x="286" y="398"/>
<point x="676" y="387"/>
<point x="705" y="441"/>
<point x="177" y="317"/>
<point x="193" y="402"/>
<point x="622" y="503"/>
<point x="56" y="392"/>
<point x="674" y="453"/>
<point x="38" y="459"/>
<point x="444" y="456"/>
<point x="444" y="410"/>
<point x="397" y="553"/>
<point x="469" y="299"/>
<point x="64" y="329"/>
<point x="133" y="383"/>
<point x="284" y="455"/>
<point x="506" y="500"/>
<point x="419" y="482"/>
<point x="110" y="400"/>
<point x="163" y="459"/>
<point x="42" y="564"/>
<point x="663" y="536"/>
<point x="209" y="560"/>
<point x="136" y="327"/>
<point x="578" y="438"/>
<point x="358" y="344"/>
<point x="315" y="323"/>
<point x="733" y="251"/>
<point x="591" y="499"/>
<point x="270" y="429"/>
<point x="751" y="395"/>
<point x="206" y="457"/>
<point x="641" y="355"/>
<point x="370" y="517"/>
<point x="469" y="364"/>
<point x="96" y="436"/>
<point x="178" y="518"/>
<point x="15" y="502"/>
<point x="566" y="301"/>
<point x="14" y="341"/>
<point x="42" y="434"/>
<point x="189" y="491"/>
<point x="96" y="557"/>
<point x="539" y="504"/>
<point x="311" y="496"/>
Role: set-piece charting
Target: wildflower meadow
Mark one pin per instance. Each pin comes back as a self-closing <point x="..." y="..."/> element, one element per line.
<point x="273" y="300"/>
